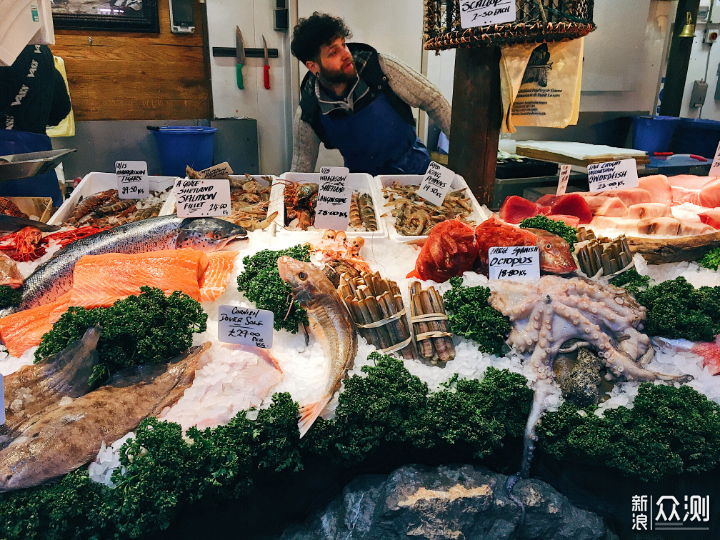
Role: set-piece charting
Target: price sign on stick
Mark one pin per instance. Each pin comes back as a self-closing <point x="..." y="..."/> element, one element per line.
<point x="333" y="203"/>
<point x="613" y="175"/>
<point x="564" y="177"/>
<point x="246" y="326"/>
<point x="513" y="263"/>
<point x="202" y="198"/>
<point x="132" y="179"/>
<point x="484" y="12"/>
<point x="435" y="185"/>
<point x="715" y="169"/>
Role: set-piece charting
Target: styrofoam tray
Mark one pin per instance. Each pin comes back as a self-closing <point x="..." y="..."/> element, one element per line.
<point x="356" y="181"/>
<point x="169" y="206"/>
<point x="96" y="182"/>
<point x="382" y="181"/>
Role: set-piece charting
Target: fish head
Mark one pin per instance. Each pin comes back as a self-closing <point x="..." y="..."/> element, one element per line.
<point x="207" y="234"/>
<point x="307" y="281"/>
<point x="555" y="256"/>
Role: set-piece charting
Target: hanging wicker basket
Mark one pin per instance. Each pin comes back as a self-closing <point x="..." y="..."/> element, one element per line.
<point x="537" y="21"/>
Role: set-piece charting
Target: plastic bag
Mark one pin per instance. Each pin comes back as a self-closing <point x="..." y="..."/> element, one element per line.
<point x="66" y="128"/>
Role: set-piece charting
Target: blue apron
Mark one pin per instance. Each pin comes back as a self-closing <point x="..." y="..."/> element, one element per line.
<point x="45" y="185"/>
<point x="376" y="140"/>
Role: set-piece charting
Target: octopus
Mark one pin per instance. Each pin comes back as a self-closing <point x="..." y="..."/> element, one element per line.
<point x="553" y="310"/>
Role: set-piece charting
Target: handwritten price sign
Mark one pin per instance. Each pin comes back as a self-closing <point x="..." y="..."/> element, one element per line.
<point x="202" y="198"/>
<point x="484" y="12"/>
<point x="518" y="262"/>
<point x="715" y="169"/>
<point x="435" y="185"/>
<point x="333" y="202"/>
<point x="613" y="175"/>
<point x="245" y="326"/>
<point x="132" y="179"/>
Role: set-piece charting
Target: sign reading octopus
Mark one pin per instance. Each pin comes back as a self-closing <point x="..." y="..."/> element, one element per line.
<point x="515" y="262"/>
<point x="333" y="202"/>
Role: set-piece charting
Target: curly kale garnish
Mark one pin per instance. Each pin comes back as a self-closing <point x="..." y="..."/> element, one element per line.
<point x="711" y="259"/>
<point x="9" y="297"/>
<point x="564" y="231"/>
<point x="472" y="317"/>
<point x="147" y="328"/>
<point x="631" y="281"/>
<point x="261" y="283"/>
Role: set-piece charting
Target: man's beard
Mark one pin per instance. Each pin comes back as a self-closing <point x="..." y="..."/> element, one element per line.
<point x="336" y="77"/>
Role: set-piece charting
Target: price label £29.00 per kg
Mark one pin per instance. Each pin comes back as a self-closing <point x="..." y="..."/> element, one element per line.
<point x="132" y="179"/>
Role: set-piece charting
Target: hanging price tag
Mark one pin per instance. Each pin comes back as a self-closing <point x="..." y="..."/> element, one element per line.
<point x="435" y="185"/>
<point x="518" y="262"/>
<point x="246" y="326"/>
<point x="132" y="179"/>
<point x="564" y="177"/>
<point x="202" y="198"/>
<point x="715" y="169"/>
<point x="484" y="12"/>
<point x="333" y="203"/>
<point x="613" y="175"/>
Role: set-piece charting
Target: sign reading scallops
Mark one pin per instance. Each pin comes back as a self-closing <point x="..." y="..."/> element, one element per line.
<point x="202" y="198"/>
<point x="484" y="12"/>
<point x="333" y="202"/>
<point x="613" y="175"/>
<point x="132" y="179"/>
<point x="246" y="326"/>
<point x="436" y="183"/>
<point x="514" y="262"/>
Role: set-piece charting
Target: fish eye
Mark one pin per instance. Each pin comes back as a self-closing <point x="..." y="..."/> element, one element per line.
<point x="548" y="246"/>
<point x="302" y="276"/>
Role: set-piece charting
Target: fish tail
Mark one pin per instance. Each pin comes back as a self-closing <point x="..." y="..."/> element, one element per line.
<point x="310" y="412"/>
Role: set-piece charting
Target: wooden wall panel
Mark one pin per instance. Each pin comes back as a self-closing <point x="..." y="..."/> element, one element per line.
<point x="137" y="76"/>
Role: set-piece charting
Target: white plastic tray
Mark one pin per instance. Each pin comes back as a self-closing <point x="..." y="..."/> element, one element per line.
<point x="356" y="181"/>
<point x="382" y="181"/>
<point x="96" y="182"/>
<point x="169" y="206"/>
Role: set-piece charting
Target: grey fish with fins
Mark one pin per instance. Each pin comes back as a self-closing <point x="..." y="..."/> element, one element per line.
<point x="54" y="278"/>
<point x="35" y="388"/>
<point x="330" y="323"/>
<point x="68" y="437"/>
<point x="9" y="224"/>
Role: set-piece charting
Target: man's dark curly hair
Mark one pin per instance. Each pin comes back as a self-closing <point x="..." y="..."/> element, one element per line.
<point x="312" y="33"/>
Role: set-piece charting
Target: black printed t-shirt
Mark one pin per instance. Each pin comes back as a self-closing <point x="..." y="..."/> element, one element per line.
<point x="32" y="92"/>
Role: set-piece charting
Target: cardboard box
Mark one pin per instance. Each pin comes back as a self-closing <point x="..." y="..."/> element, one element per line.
<point x="40" y="207"/>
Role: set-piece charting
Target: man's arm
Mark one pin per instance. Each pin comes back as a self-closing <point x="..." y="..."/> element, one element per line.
<point x="306" y="145"/>
<point x="417" y="91"/>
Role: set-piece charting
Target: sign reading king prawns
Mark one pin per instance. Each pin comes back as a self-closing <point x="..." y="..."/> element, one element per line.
<point x="333" y="202"/>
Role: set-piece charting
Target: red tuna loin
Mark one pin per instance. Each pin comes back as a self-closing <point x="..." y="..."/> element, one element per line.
<point x="515" y="209"/>
<point x="571" y="204"/>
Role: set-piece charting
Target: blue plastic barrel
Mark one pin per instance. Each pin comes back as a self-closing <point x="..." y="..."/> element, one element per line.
<point x="653" y="133"/>
<point x="693" y="136"/>
<point x="179" y="146"/>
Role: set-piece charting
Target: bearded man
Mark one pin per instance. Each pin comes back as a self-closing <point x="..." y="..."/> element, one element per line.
<point x="359" y="101"/>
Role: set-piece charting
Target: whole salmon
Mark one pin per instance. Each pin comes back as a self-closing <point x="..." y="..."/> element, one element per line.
<point x="66" y="437"/>
<point x="54" y="278"/>
<point x="330" y="324"/>
<point x="32" y="389"/>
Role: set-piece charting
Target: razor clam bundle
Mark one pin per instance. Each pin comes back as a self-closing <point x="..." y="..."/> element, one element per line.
<point x="430" y="324"/>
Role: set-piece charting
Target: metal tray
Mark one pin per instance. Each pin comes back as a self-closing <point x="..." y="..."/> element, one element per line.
<point x="32" y="164"/>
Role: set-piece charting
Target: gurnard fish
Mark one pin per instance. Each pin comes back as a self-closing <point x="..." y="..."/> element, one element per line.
<point x="330" y="324"/>
<point x="67" y="437"/>
<point x="555" y="256"/>
<point x="54" y="278"/>
<point x="9" y="273"/>
<point x="34" y="388"/>
<point x="9" y="224"/>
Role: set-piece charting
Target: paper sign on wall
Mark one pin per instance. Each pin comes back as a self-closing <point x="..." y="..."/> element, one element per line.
<point x="563" y="182"/>
<point x="613" y="175"/>
<point x="515" y="262"/>
<point x="132" y="179"/>
<point x="715" y="169"/>
<point x="435" y="185"/>
<point x="202" y="198"/>
<point x="246" y="326"/>
<point x="333" y="203"/>
<point x="483" y="12"/>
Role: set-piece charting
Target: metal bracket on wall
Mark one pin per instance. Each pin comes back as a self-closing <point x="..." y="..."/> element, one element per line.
<point x="229" y="52"/>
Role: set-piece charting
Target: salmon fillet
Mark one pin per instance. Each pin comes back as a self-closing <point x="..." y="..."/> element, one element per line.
<point x="24" y="329"/>
<point x="101" y="280"/>
<point x="214" y="279"/>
